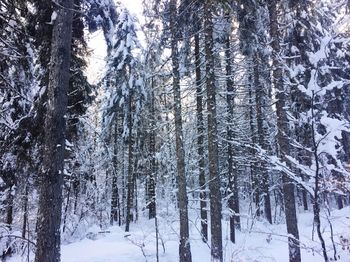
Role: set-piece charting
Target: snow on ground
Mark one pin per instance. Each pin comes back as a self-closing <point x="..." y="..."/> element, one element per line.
<point x="107" y="247"/>
<point x="263" y="243"/>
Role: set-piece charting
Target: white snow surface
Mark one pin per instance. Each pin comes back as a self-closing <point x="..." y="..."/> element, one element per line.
<point x="258" y="243"/>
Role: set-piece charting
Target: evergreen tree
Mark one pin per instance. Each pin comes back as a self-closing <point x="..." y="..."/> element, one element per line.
<point x="184" y="246"/>
<point x="50" y="201"/>
<point x="124" y="99"/>
<point x="214" y="184"/>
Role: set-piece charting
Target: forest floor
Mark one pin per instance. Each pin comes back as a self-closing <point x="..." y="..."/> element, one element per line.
<point x="257" y="241"/>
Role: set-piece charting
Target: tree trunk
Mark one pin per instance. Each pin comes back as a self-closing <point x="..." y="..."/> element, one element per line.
<point x="260" y="95"/>
<point x="200" y="142"/>
<point x="115" y="209"/>
<point x="130" y="184"/>
<point x="339" y="199"/>
<point x="9" y="219"/>
<point x="184" y="247"/>
<point x="233" y="200"/>
<point x="25" y="210"/>
<point x="214" y="184"/>
<point x="114" y="202"/>
<point x="254" y="171"/>
<point x="152" y="176"/>
<point x="50" y="199"/>
<point x="283" y="140"/>
<point x="65" y="213"/>
<point x="316" y="199"/>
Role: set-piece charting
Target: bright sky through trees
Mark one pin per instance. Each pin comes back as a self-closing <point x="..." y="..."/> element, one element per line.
<point x="98" y="46"/>
<point x="134" y="6"/>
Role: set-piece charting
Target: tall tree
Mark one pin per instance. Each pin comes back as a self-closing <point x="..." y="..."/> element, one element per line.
<point x="184" y="247"/>
<point x="201" y="136"/>
<point x="50" y="200"/>
<point x="214" y="178"/>
<point x="233" y="199"/>
<point x="124" y="98"/>
<point x="252" y="17"/>
<point x="16" y="99"/>
<point x="283" y="136"/>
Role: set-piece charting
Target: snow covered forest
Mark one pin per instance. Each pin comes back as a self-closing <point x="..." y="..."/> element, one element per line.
<point x="216" y="130"/>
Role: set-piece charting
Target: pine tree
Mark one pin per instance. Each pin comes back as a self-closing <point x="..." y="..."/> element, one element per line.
<point x="124" y="98"/>
<point x="233" y="198"/>
<point x="184" y="246"/>
<point x="214" y="183"/>
<point x="283" y="138"/>
<point x="201" y="135"/>
<point x="50" y="201"/>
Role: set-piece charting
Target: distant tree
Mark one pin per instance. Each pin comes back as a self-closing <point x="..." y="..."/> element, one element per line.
<point x="125" y="99"/>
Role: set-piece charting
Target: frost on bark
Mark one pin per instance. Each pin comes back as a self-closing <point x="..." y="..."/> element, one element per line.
<point x="233" y="200"/>
<point x="214" y="183"/>
<point x="152" y="155"/>
<point x="184" y="247"/>
<point x="51" y="180"/>
<point x="283" y="140"/>
<point x="200" y="141"/>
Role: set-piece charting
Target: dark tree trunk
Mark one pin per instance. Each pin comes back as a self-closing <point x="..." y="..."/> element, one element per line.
<point x="214" y="184"/>
<point x="152" y="176"/>
<point x="135" y="204"/>
<point x="25" y="211"/>
<point x="115" y="200"/>
<point x="65" y="213"/>
<point x="184" y="247"/>
<point x="254" y="171"/>
<point x="50" y="199"/>
<point x="260" y="96"/>
<point x="233" y="200"/>
<point x="283" y="139"/>
<point x="9" y="218"/>
<point x="9" y="206"/>
<point x="115" y="208"/>
<point x="339" y="201"/>
<point x="304" y="195"/>
<point x="130" y="184"/>
<point x="152" y="179"/>
<point x="124" y="185"/>
<point x="200" y="141"/>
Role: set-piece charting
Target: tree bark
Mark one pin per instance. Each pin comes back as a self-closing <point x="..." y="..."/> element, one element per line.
<point x="25" y="210"/>
<point x="130" y="184"/>
<point x="233" y="200"/>
<point x="9" y="217"/>
<point x="254" y="171"/>
<point x="316" y="199"/>
<point x="200" y="141"/>
<point x="115" y="191"/>
<point x="184" y="247"/>
<point x="263" y="182"/>
<point x="152" y="175"/>
<point x="214" y="184"/>
<point x="283" y="139"/>
<point x="50" y="199"/>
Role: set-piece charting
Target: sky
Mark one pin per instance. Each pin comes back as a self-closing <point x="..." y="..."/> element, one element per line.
<point x="97" y="44"/>
<point x="134" y="6"/>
